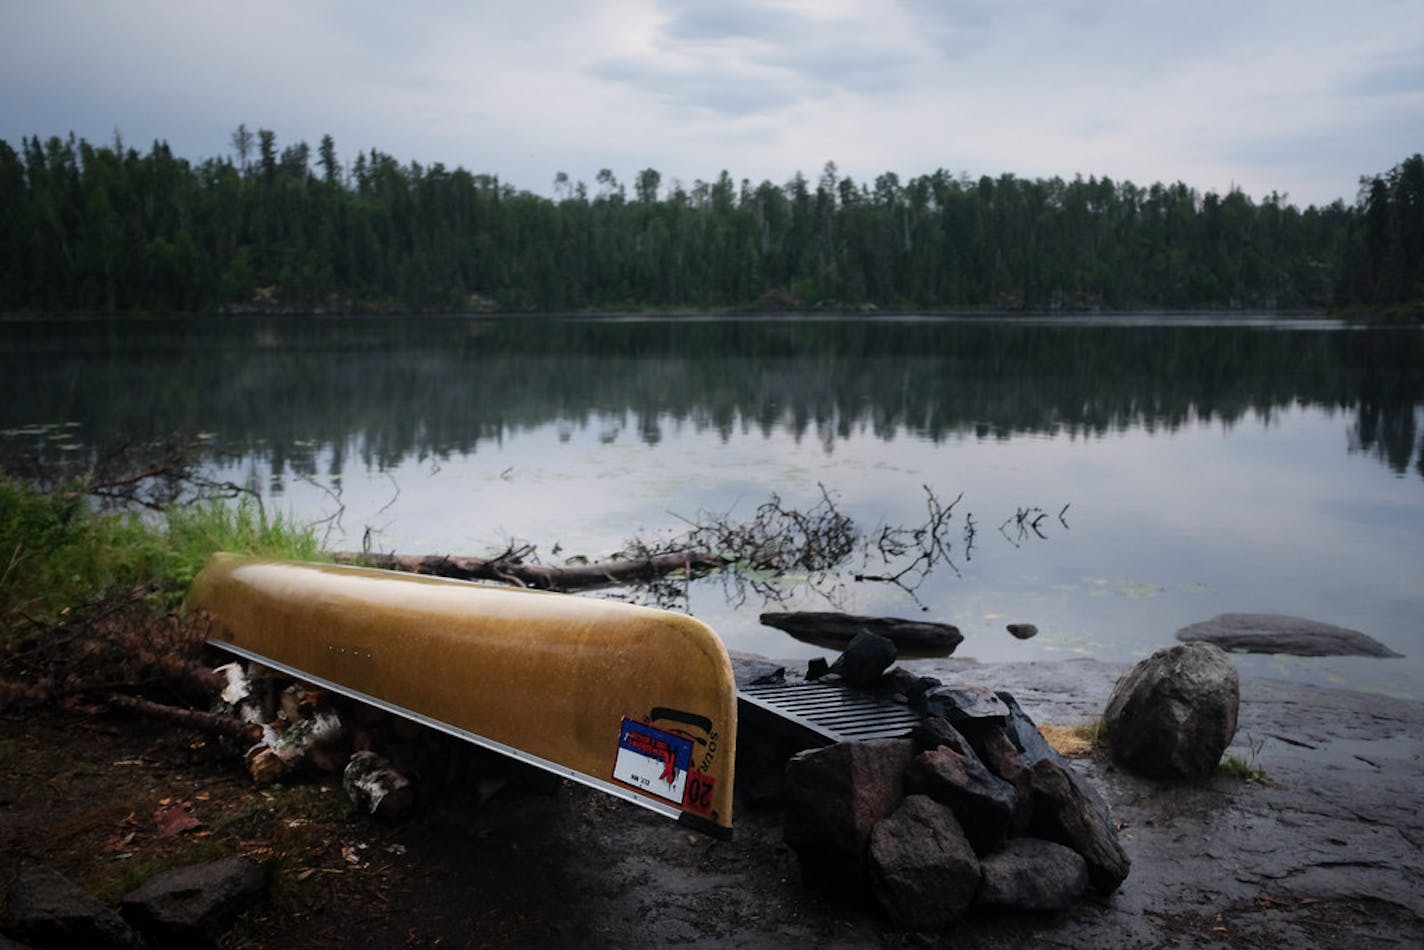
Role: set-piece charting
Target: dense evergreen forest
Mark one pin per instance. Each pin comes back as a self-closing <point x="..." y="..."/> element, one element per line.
<point x="108" y="228"/>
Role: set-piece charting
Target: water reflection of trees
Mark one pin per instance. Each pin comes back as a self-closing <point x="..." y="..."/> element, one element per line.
<point x="293" y="391"/>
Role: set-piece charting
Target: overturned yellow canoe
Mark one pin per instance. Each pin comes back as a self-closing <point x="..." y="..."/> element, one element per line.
<point x="636" y="702"/>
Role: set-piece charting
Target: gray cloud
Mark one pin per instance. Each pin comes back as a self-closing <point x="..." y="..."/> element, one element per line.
<point x="1287" y="96"/>
<point x="728" y="93"/>
<point x="693" y="21"/>
<point x="1402" y="75"/>
<point x="742" y="58"/>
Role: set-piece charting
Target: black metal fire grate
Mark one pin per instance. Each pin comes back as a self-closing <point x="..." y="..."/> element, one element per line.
<point x="832" y="711"/>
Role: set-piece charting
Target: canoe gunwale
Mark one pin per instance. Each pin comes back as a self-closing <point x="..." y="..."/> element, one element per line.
<point x="493" y="745"/>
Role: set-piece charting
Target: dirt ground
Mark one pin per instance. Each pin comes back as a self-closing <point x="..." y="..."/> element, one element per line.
<point x="1323" y="852"/>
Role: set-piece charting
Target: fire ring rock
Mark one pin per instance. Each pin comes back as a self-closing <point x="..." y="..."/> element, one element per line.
<point x="923" y="873"/>
<point x="1174" y="713"/>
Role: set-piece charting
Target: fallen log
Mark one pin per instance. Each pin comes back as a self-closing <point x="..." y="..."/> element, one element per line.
<point x="836" y="630"/>
<point x="566" y="577"/>
<point x="214" y="723"/>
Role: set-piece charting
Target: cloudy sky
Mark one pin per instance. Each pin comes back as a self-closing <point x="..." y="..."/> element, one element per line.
<point x="1297" y="96"/>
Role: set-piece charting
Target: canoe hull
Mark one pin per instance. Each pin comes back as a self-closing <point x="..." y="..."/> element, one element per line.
<point x="634" y="701"/>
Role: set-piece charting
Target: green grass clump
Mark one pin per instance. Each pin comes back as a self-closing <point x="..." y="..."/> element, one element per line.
<point x="1246" y="768"/>
<point x="1237" y="767"/>
<point x="57" y="553"/>
<point x="193" y="532"/>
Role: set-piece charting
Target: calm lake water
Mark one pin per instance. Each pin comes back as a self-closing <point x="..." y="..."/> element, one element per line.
<point x="1185" y="467"/>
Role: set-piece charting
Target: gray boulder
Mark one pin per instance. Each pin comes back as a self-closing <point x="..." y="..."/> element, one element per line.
<point x="1032" y="874"/>
<point x="46" y="909"/>
<point x="1174" y="713"/>
<point x="193" y="905"/>
<point x="923" y="873"/>
<point x="834" y="797"/>
<point x="1278" y="633"/>
<point x="1066" y="812"/>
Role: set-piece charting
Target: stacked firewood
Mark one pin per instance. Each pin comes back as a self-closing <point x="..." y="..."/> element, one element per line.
<point x="285" y="729"/>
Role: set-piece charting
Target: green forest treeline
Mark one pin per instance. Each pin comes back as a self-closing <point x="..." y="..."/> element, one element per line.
<point x="107" y="228"/>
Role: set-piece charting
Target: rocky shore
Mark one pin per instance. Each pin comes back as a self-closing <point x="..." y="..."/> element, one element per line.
<point x="1322" y="849"/>
<point x="1314" y="843"/>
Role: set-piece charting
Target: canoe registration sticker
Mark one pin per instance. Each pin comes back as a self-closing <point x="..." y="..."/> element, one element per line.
<point x="653" y="761"/>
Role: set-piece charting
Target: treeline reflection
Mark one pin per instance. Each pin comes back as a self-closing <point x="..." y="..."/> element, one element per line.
<point x="292" y="391"/>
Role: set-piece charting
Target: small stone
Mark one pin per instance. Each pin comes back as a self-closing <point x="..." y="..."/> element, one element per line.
<point x="1023" y="631"/>
<point x="817" y="668"/>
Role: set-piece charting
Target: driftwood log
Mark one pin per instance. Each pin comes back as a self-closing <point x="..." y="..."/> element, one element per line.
<point x="835" y="630"/>
<point x="567" y="577"/>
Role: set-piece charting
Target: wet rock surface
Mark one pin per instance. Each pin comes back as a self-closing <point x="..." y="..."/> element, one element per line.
<point x="1319" y="855"/>
<point x="1278" y="633"/>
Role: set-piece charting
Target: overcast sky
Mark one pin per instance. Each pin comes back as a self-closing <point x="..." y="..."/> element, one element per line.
<point x="1297" y="96"/>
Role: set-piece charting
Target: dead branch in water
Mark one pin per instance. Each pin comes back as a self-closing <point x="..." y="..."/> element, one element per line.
<point x="155" y="475"/>
<point x="928" y="544"/>
<point x="510" y="568"/>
